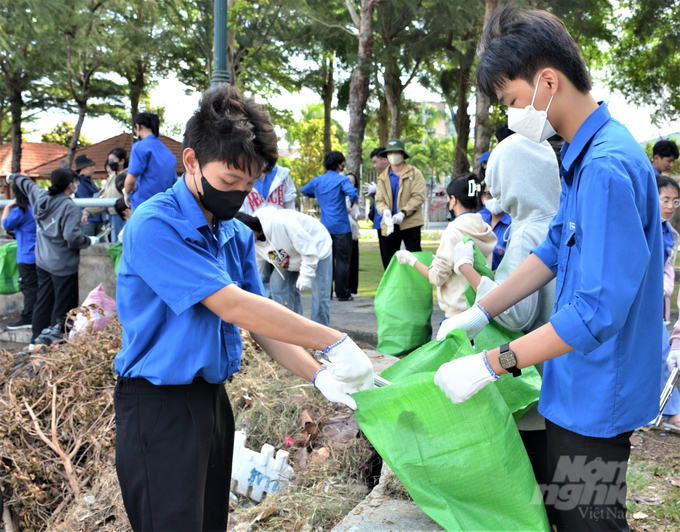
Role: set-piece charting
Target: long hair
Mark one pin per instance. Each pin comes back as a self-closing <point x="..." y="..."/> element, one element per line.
<point x="20" y="198"/>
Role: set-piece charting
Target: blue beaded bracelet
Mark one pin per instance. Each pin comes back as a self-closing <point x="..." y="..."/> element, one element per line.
<point x="488" y="366"/>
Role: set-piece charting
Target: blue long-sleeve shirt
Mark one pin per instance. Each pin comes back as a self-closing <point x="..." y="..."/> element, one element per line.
<point x="605" y="247"/>
<point x="88" y="189"/>
<point x="23" y="225"/>
<point x="330" y="190"/>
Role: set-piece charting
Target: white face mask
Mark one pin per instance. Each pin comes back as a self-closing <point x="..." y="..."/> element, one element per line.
<point x="493" y="206"/>
<point x="395" y="158"/>
<point x="531" y="123"/>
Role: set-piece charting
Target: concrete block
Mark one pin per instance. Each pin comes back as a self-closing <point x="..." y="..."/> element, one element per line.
<point x="17" y="339"/>
<point x="96" y="267"/>
<point x="254" y="473"/>
<point x="380" y="362"/>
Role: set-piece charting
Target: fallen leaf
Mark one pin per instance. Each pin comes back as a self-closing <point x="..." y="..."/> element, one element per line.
<point x="300" y="459"/>
<point x="342" y="427"/>
<point x="319" y="456"/>
<point x="647" y="500"/>
<point x="301" y="439"/>
<point x="640" y="515"/>
<point x="307" y="423"/>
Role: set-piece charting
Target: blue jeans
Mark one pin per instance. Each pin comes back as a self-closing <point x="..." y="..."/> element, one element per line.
<point x="673" y="405"/>
<point x="282" y="286"/>
<point x="117" y="224"/>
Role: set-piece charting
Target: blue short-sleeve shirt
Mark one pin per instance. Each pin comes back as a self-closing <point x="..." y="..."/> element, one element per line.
<point x="502" y="232"/>
<point x="173" y="261"/>
<point x="605" y="247"/>
<point x="23" y="225"/>
<point x="154" y="166"/>
<point x="330" y="190"/>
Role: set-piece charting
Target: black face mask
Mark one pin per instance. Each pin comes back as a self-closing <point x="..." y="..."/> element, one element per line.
<point x="113" y="167"/>
<point x="223" y="205"/>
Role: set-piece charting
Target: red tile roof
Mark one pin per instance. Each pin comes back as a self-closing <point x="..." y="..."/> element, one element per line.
<point x="99" y="153"/>
<point x="32" y="154"/>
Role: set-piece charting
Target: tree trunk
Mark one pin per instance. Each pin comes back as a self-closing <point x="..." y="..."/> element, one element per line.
<point x="482" y="124"/>
<point x="137" y="84"/>
<point x="16" y="104"/>
<point x="359" y="89"/>
<point x="393" y="91"/>
<point x="231" y="41"/>
<point x="327" y="91"/>
<point x="383" y="120"/>
<point x="461" y="164"/>
<point x="82" y="111"/>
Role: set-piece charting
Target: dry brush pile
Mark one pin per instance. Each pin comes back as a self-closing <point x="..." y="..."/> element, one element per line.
<point x="57" y="437"/>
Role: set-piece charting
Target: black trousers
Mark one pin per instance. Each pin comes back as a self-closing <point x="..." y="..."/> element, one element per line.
<point x="174" y="448"/>
<point x="92" y="228"/>
<point x="28" y="281"/>
<point x="381" y="247"/>
<point x="57" y="295"/>
<point x="354" y="268"/>
<point x="342" y="254"/>
<point x="587" y="490"/>
<point x="392" y="243"/>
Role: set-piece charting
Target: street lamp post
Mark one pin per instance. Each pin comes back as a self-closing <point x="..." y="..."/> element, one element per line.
<point x="220" y="74"/>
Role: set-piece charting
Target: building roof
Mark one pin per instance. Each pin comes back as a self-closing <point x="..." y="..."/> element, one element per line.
<point x="32" y="154"/>
<point x="99" y="153"/>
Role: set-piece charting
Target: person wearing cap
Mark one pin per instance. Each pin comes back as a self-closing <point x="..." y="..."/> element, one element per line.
<point x="88" y="189"/>
<point x="59" y="240"/>
<point x="399" y="199"/>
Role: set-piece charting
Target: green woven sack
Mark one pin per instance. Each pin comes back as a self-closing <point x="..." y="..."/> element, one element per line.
<point x="9" y="271"/>
<point x="515" y="391"/>
<point x="116" y="253"/>
<point x="403" y="307"/>
<point x="464" y="465"/>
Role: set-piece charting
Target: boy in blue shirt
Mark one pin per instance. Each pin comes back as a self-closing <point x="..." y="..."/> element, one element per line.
<point x="604" y="247"/>
<point x="186" y="283"/>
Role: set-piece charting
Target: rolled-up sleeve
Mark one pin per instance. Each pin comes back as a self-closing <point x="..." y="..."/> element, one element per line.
<point x="613" y="258"/>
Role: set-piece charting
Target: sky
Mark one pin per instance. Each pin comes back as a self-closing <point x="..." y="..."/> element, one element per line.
<point x="171" y="93"/>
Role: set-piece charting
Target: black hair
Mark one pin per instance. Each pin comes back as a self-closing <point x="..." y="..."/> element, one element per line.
<point x="232" y="130"/>
<point x="379" y="152"/>
<point x="149" y="120"/>
<point x="466" y="189"/>
<point x="666" y="148"/>
<point x="517" y="44"/>
<point x="356" y="179"/>
<point x="19" y="198"/>
<point x="120" y="206"/>
<point x="61" y="178"/>
<point x="333" y="159"/>
<point x="503" y="132"/>
<point x="250" y="221"/>
<point x="119" y="183"/>
<point x="663" y="182"/>
<point x="121" y="154"/>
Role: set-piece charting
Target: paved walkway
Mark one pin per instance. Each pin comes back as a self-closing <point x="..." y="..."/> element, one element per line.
<point x="357" y="318"/>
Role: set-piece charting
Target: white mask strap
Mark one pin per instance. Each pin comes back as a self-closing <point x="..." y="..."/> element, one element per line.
<point x="534" y="98"/>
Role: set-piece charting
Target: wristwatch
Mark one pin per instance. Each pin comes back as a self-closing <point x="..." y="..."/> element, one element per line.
<point x="508" y="361"/>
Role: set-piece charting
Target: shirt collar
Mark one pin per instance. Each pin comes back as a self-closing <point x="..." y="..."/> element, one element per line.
<point x="572" y="150"/>
<point x="506" y="219"/>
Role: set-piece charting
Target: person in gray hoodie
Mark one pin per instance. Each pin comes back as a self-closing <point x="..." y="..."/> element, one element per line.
<point x="57" y="251"/>
<point x="524" y="178"/>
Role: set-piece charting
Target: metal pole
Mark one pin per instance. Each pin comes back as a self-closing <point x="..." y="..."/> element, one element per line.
<point x="220" y="74"/>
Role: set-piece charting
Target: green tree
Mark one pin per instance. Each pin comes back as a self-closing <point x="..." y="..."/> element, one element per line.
<point x="62" y="134"/>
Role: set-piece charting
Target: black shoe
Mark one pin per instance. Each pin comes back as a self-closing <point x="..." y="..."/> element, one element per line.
<point x="21" y="324"/>
<point x="350" y="298"/>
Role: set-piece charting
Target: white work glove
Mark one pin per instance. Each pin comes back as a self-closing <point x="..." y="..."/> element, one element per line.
<point x="303" y="283"/>
<point x="472" y="321"/>
<point x="94" y="240"/>
<point x="127" y="197"/>
<point x="398" y="218"/>
<point x="351" y="367"/>
<point x="387" y="216"/>
<point x="11" y="177"/>
<point x="673" y="360"/>
<point x="332" y="389"/>
<point x="370" y="189"/>
<point x="463" y="253"/>
<point x="462" y="378"/>
<point x="406" y="257"/>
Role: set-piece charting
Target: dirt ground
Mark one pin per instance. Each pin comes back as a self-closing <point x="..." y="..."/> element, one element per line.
<point x="654" y="481"/>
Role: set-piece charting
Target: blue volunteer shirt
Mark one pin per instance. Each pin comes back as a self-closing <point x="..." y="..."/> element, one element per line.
<point x="605" y="247"/>
<point x="330" y="190"/>
<point x="173" y="261"/>
<point x="394" y="182"/>
<point x="23" y="225"/>
<point x="154" y="166"/>
<point x="502" y="232"/>
<point x="263" y="185"/>
<point x="667" y="241"/>
<point x="88" y="189"/>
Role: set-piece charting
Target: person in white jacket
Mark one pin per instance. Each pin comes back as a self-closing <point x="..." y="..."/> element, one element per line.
<point x="275" y="189"/>
<point x="299" y="248"/>
<point x="524" y="178"/>
<point x="463" y="203"/>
